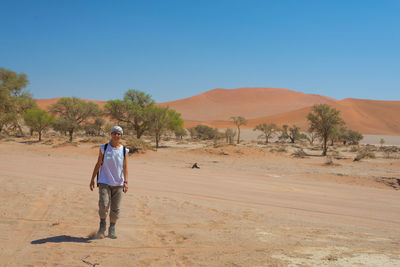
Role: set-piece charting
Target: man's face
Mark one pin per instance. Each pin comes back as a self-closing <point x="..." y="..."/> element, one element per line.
<point x="116" y="136"/>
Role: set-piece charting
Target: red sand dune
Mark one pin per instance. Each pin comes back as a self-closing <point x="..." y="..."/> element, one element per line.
<point x="46" y="102"/>
<point x="281" y="106"/>
<point x="365" y="116"/>
<point x="254" y="102"/>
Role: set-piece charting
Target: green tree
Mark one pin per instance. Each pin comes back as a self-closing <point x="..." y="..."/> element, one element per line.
<point x="352" y="137"/>
<point x="62" y="125"/>
<point x="193" y="133"/>
<point x="205" y="132"/>
<point x="180" y="133"/>
<point x="73" y="114"/>
<point x="132" y="110"/>
<point x="38" y="120"/>
<point x="176" y="123"/>
<point x="324" y="120"/>
<point x="267" y="130"/>
<point x="95" y="127"/>
<point x="294" y="134"/>
<point x="162" y="120"/>
<point x="239" y="121"/>
<point x="14" y="102"/>
<point x="284" y="132"/>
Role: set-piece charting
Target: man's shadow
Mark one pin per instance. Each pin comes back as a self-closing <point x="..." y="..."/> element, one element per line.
<point x="62" y="239"/>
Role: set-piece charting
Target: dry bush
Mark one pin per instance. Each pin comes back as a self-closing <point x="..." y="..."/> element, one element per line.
<point x="329" y="160"/>
<point x="354" y="149"/>
<point x="336" y="154"/>
<point x="278" y="149"/>
<point x="95" y="140"/>
<point x="137" y="145"/>
<point x="364" y="153"/>
<point x="282" y="149"/>
<point x="390" y="155"/>
<point x="371" y="148"/>
<point x="299" y="153"/>
<point x="391" y="149"/>
<point x="48" y="142"/>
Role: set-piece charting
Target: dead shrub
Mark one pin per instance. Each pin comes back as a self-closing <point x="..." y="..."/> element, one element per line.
<point x="282" y="149"/>
<point x="137" y="145"/>
<point x="390" y="155"/>
<point x="371" y="148"/>
<point x="354" y="149"/>
<point x="95" y="140"/>
<point x="278" y="149"/>
<point x="48" y="142"/>
<point x="364" y="153"/>
<point x="329" y="160"/>
<point x="299" y="153"/>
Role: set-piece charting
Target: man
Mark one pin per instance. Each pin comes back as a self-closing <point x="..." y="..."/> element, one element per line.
<point x="113" y="180"/>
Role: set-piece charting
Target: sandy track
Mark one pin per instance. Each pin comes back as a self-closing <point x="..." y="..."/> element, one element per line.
<point x="266" y="211"/>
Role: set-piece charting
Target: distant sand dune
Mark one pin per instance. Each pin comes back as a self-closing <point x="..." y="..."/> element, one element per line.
<point x="250" y="102"/>
<point x="281" y="106"/>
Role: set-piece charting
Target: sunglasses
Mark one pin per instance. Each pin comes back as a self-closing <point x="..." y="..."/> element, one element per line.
<point x="116" y="133"/>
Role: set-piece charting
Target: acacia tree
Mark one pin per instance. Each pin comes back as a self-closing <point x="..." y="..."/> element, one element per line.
<point x="132" y="110"/>
<point x="324" y="120"/>
<point x="294" y="134"/>
<point x="180" y="133"/>
<point x="351" y="137"/>
<point x="73" y="113"/>
<point x="14" y="102"/>
<point x="38" y="120"/>
<point x="163" y="119"/>
<point x="193" y="133"/>
<point x="239" y="121"/>
<point x="284" y="132"/>
<point x="267" y="130"/>
<point x="95" y="127"/>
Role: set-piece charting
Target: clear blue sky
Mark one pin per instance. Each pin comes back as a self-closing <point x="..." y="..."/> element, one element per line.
<point x="176" y="49"/>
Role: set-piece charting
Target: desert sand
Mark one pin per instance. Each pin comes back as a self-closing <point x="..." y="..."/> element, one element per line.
<point x="245" y="206"/>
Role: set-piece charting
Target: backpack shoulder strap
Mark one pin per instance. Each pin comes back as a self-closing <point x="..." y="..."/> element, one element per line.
<point x="104" y="152"/>
<point x="124" y="148"/>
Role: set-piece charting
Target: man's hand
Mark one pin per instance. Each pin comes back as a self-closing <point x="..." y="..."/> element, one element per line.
<point x="125" y="189"/>
<point x="92" y="184"/>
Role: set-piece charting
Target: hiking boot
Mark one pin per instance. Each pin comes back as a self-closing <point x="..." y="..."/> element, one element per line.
<point x="102" y="229"/>
<point x="111" y="232"/>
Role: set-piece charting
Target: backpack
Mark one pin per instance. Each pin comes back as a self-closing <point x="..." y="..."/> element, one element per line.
<point x="105" y="148"/>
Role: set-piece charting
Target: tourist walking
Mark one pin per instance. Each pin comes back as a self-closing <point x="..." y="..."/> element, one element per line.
<point x="111" y="170"/>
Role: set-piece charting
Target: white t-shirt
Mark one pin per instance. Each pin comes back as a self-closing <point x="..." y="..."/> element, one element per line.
<point x="111" y="171"/>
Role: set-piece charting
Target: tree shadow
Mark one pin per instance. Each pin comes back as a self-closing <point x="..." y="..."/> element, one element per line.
<point x="30" y="142"/>
<point x="315" y="155"/>
<point x="62" y="239"/>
